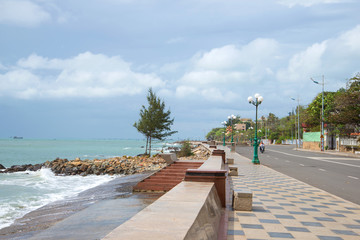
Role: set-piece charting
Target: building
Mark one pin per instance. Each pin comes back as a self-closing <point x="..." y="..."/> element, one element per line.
<point x="246" y="119"/>
<point x="240" y="126"/>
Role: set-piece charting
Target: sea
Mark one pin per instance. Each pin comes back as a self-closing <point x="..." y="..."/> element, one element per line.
<point x="23" y="192"/>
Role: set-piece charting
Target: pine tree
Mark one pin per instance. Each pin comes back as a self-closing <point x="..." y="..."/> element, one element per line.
<point x="154" y="122"/>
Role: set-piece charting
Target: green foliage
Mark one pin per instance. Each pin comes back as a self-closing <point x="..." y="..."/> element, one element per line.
<point x="214" y="133"/>
<point x="185" y="150"/>
<point x="313" y="112"/>
<point x="154" y="122"/>
<point x="341" y="116"/>
<point x="346" y="112"/>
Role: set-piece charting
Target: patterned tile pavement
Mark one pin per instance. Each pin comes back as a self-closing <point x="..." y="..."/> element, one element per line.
<point x="286" y="208"/>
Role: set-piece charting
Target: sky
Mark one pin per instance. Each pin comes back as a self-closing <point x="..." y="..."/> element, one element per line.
<point x="82" y="69"/>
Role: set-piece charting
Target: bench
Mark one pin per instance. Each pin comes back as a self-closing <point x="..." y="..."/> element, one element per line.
<point x="230" y="161"/>
<point x="232" y="149"/>
<point x="233" y="171"/>
<point x="242" y="199"/>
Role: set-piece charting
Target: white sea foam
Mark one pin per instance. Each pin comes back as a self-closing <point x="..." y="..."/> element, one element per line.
<point x="23" y="192"/>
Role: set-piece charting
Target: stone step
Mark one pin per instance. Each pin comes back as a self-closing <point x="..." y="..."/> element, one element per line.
<point x="174" y="170"/>
<point x="166" y="178"/>
<point x="176" y="164"/>
<point x="164" y="174"/>
<point x="167" y="181"/>
<point x="182" y="166"/>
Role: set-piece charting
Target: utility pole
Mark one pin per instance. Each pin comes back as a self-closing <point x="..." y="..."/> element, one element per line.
<point x="322" y="111"/>
<point x="298" y="122"/>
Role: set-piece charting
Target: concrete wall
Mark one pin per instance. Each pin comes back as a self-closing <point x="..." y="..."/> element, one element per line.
<point x="191" y="210"/>
<point x="311" y="145"/>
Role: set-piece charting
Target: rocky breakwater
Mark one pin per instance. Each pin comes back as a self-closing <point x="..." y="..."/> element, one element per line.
<point x="199" y="152"/>
<point x="117" y="165"/>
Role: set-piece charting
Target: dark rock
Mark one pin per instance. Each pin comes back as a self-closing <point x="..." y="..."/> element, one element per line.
<point x="117" y="165"/>
<point x="37" y="167"/>
<point x="2" y="167"/>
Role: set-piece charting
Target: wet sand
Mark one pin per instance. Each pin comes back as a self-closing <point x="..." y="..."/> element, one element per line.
<point x="90" y="215"/>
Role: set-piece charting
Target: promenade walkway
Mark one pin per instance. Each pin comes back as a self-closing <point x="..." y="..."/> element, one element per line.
<point x="286" y="208"/>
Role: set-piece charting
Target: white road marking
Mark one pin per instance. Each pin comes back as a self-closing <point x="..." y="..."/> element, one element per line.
<point x="346" y="164"/>
<point x="353" y="177"/>
<point x="285" y="153"/>
<point x="302" y="165"/>
<point x="334" y="158"/>
<point x="322" y="169"/>
<point x="317" y="159"/>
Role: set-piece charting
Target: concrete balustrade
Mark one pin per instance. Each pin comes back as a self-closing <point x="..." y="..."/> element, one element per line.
<point x="218" y="152"/>
<point x="210" y="171"/>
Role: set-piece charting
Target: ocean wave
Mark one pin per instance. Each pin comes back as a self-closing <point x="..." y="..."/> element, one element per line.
<point x="23" y="192"/>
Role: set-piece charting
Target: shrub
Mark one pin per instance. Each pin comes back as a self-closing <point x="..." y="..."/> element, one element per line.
<point x="185" y="150"/>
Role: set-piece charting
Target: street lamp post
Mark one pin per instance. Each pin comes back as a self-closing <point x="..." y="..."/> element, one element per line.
<point x="231" y="124"/>
<point x="251" y="139"/>
<point x="258" y="100"/>
<point x="224" y="123"/>
<point x="298" y="122"/>
<point x="322" y="111"/>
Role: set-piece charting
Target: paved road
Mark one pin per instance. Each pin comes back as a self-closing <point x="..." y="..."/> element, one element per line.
<point x="335" y="174"/>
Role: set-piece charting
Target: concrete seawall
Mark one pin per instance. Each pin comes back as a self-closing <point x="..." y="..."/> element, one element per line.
<point x="191" y="210"/>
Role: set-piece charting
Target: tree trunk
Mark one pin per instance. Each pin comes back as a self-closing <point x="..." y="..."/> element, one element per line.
<point x="150" y="146"/>
<point x="147" y="141"/>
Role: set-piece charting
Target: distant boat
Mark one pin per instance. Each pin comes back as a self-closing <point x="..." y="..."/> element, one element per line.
<point x="15" y="137"/>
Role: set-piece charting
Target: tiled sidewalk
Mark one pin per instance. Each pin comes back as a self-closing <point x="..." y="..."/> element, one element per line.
<point x="286" y="208"/>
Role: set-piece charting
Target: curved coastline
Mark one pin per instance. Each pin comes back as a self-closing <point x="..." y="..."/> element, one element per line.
<point x="131" y="170"/>
<point x="45" y="217"/>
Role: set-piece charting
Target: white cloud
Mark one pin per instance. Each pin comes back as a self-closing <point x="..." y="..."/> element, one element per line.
<point x="335" y="58"/>
<point x="256" y="52"/>
<point x="221" y="73"/>
<point x="234" y="72"/>
<point x="303" y="64"/>
<point x="85" y="75"/>
<point x="2" y="67"/>
<point x="351" y="39"/>
<point x="307" y="3"/>
<point x="23" y="13"/>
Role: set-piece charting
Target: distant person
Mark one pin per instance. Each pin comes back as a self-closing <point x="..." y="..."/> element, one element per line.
<point x="262" y="147"/>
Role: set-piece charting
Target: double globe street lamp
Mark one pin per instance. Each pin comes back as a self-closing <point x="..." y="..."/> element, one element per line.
<point x="224" y="123"/>
<point x="231" y="117"/>
<point x="258" y="100"/>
